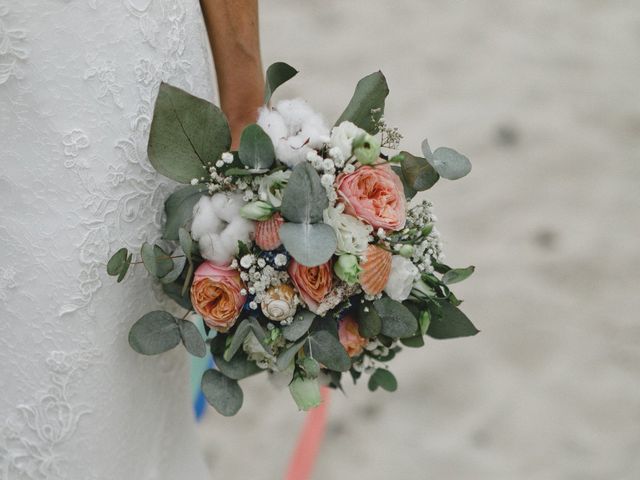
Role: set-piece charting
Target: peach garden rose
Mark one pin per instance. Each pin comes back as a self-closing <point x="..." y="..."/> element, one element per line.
<point x="215" y="294"/>
<point x="349" y="336"/>
<point x="375" y="195"/>
<point x="313" y="283"/>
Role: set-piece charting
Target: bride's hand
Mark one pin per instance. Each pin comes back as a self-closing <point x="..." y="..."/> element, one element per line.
<point x="235" y="42"/>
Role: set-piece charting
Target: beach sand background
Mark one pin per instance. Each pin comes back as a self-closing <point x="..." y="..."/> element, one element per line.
<point x="544" y="97"/>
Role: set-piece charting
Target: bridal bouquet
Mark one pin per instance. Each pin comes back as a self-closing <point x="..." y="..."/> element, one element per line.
<point x="301" y="252"/>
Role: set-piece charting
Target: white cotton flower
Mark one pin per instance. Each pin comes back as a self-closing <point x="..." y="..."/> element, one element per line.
<point x="342" y="137"/>
<point x="295" y="130"/>
<point x="351" y="233"/>
<point x="218" y="227"/>
<point x="403" y="275"/>
<point x="270" y="187"/>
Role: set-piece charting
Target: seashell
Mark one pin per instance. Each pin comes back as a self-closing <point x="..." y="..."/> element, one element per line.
<point x="279" y="303"/>
<point x="266" y="233"/>
<point x="375" y="270"/>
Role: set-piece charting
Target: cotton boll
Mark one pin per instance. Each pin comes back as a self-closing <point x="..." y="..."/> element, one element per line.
<point x="296" y="113"/>
<point x="205" y="218"/>
<point x="273" y="124"/>
<point x="229" y="208"/>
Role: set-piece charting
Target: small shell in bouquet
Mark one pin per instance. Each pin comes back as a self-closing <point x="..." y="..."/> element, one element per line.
<point x="267" y="234"/>
<point x="279" y="303"/>
<point x="375" y="270"/>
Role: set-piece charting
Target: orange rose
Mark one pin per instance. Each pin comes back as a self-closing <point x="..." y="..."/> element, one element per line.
<point x="313" y="283"/>
<point x="349" y="336"/>
<point x="375" y="195"/>
<point x="215" y="294"/>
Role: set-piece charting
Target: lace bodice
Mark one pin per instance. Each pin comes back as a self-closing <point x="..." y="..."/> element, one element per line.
<point x="78" y="79"/>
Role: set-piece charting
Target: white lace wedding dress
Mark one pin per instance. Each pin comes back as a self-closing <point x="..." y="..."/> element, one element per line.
<point x="78" y="80"/>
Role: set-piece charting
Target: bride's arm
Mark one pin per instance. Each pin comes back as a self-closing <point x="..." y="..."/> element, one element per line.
<point x="235" y="42"/>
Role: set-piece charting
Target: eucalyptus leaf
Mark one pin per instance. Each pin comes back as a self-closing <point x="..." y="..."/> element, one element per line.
<point x="223" y="393"/>
<point x="287" y="356"/>
<point x="328" y="350"/>
<point x="117" y="261"/>
<point x="187" y="134"/>
<point x="186" y="284"/>
<point x="456" y="275"/>
<point x="409" y="192"/>
<point x="179" y="209"/>
<point x="309" y="244"/>
<point x="366" y="106"/>
<point x="241" y="172"/>
<point x="300" y="325"/>
<point x="384" y="379"/>
<point x="179" y="262"/>
<point x="186" y="242"/>
<point x="191" y="338"/>
<point x="304" y="198"/>
<point x="416" y="341"/>
<point x="397" y="320"/>
<point x="369" y="322"/>
<point x="240" y="334"/>
<point x="125" y="267"/>
<point x="277" y="74"/>
<point x="157" y="262"/>
<point x="449" y="163"/>
<point x="305" y="392"/>
<point x="154" y="333"/>
<point x="238" y="367"/>
<point x="451" y="323"/>
<point x="256" y="149"/>
<point x="419" y="173"/>
<point x="311" y="367"/>
<point x="174" y="292"/>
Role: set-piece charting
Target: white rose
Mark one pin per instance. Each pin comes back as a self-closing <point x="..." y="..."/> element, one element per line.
<point x="271" y="186"/>
<point x="342" y="138"/>
<point x="218" y="227"/>
<point x="403" y="274"/>
<point x="352" y="234"/>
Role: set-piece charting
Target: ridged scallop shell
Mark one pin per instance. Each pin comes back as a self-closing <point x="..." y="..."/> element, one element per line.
<point x="279" y="303"/>
<point x="375" y="270"/>
<point x="267" y="232"/>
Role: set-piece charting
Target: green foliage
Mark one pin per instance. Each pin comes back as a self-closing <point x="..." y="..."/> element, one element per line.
<point x="300" y="325"/>
<point x="328" y="350"/>
<point x="223" y="393"/>
<point x="409" y="192"/>
<point x="191" y="338"/>
<point x="447" y="162"/>
<point x="305" y="392"/>
<point x="187" y="134"/>
<point x="369" y="322"/>
<point x="238" y="367"/>
<point x="179" y="209"/>
<point x="277" y="74"/>
<point x="157" y="262"/>
<point x="416" y="341"/>
<point x="450" y="323"/>
<point x="256" y="149"/>
<point x="384" y="379"/>
<point x="456" y="275"/>
<point x="366" y="106"/>
<point x="311" y="367"/>
<point x="154" y="333"/>
<point x="179" y="261"/>
<point x="119" y="263"/>
<point x="287" y="356"/>
<point x="397" y="320"/>
<point x="244" y="327"/>
<point x="175" y="293"/>
<point x="310" y="244"/>
<point x="418" y="173"/>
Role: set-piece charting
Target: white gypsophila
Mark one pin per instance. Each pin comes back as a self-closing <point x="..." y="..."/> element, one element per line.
<point x="218" y="227"/>
<point x="227" y="157"/>
<point x="403" y="275"/>
<point x="270" y="187"/>
<point x="342" y="137"/>
<point x="294" y="128"/>
<point x="351" y="233"/>
<point x="247" y="260"/>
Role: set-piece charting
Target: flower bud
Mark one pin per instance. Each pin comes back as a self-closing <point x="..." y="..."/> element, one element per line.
<point x="347" y="269"/>
<point x="406" y="251"/>
<point x="257" y="211"/>
<point x="366" y="149"/>
<point x="311" y="367"/>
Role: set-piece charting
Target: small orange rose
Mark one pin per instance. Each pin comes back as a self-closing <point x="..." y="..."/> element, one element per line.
<point x="313" y="283"/>
<point x="215" y="294"/>
<point x="349" y="336"/>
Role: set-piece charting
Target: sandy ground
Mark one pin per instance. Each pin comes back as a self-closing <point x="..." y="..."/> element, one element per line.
<point x="544" y="97"/>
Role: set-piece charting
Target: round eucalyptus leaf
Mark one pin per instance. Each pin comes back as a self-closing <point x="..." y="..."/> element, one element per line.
<point x="419" y="174"/>
<point x="304" y="198"/>
<point x="449" y="163"/>
<point x="302" y="320"/>
<point x="186" y="242"/>
<point x="117" y="261"/>
<point x="179" y="209"/>
<point x="154" y="333"/>
<point x="157" y="262"/>
<point x="305" y="392"/>
<point x="366" y="106"/>
<point x="223" y="393"/>
<point x="179" y="261"/>
<point x="286" y="358"/>
<point x="192" y="340"/>
<point x="397" y="320"/>
<point x="310" y="244"/>
<point x="328" y="350"/>
<point x="456" y="275"/>
<point x="238" y="367"/>
<point x="256" y="149"/>
<point x="125" y="267"/>
<point x="383" y="378"/>
<point x="277" y="74"/>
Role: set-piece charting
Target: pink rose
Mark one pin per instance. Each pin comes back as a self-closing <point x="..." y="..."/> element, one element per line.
<point x="374" y="194"/>
<point x="313" y="283"/>
<point x="215" y="294"/>
<point x="349" y="336"/>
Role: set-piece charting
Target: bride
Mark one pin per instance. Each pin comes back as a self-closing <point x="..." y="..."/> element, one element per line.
<point x="78" y="80"/>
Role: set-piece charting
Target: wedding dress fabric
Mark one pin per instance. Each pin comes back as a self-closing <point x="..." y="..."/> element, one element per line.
<point x="78" y="80"/>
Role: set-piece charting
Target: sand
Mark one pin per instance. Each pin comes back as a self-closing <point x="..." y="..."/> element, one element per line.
<point x="544" y="97"/>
